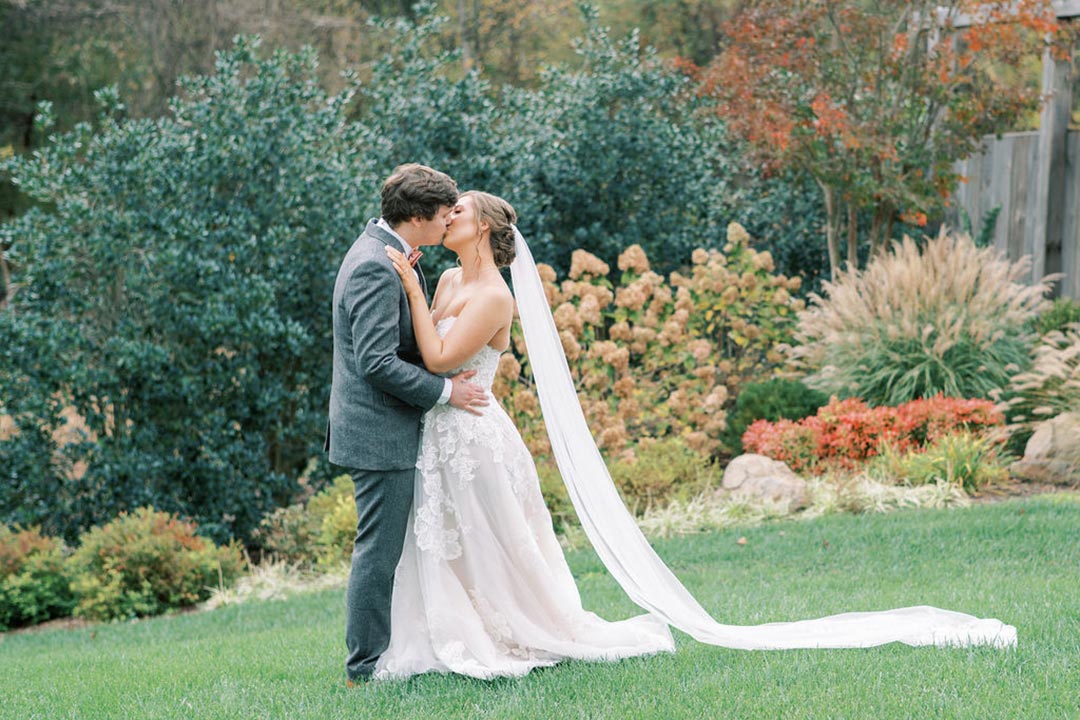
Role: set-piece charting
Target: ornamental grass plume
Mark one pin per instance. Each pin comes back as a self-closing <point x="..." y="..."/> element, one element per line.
<point x="947" y="317"/>
<point x="1051" y="386"/>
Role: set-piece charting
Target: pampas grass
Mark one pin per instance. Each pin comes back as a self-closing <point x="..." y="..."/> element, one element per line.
<point x="947" y="317"/>
<point x="1051" y="386"/>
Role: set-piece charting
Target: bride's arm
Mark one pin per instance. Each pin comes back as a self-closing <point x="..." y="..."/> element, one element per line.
<point x="477" y="322"/>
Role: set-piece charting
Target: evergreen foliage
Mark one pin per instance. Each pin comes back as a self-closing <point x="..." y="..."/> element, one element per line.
<point x="174" y="292"/>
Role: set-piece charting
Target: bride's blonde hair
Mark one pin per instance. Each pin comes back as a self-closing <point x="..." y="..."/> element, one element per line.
<point x="500" y="218"/>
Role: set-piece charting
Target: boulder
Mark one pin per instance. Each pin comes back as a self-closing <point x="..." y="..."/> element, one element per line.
<point x="757" y="478"/>
<point x="1052" y="454"/>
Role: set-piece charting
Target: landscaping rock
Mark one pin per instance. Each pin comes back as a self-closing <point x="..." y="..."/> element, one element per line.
<point x="1052" y="454"/>
<point x="761" y="479"/>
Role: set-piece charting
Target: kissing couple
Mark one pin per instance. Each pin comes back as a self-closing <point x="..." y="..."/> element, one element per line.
<point x="455" y="566"/>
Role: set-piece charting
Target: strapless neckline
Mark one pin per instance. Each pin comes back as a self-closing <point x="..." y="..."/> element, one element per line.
<point x="443" y="326"/>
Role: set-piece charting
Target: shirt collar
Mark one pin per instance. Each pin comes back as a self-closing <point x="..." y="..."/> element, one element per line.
<point x="386" y="226"/>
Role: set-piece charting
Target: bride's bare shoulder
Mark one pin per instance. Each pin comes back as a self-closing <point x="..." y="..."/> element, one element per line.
<point x="498" y="289"/>
<point x="450" y="275"/>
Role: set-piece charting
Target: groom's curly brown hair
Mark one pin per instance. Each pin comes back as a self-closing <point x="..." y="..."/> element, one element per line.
<point x="414" y="190"/>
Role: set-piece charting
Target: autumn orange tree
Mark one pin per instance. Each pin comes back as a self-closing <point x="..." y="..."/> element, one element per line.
<point x="875" y="100"/>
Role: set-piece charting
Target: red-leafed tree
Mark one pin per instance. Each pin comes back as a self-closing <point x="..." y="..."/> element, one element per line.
<point x="875" y="100"/>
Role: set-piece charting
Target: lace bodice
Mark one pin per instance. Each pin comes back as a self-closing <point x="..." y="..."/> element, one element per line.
<point x="485" y="362"/>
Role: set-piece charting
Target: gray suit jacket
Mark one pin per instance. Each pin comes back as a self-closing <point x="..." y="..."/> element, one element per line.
<point x="380" y="388"/>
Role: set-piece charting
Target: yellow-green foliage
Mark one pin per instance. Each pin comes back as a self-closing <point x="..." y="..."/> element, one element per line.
<point x="651" y="475"/>
<point x="961" y="459"/>
<point x="145" y="563"/>
<point x="319" y="531"/>
<point x="658" y="472"/>
<point x="338" y="527"/>
<point x="33" y="584"/>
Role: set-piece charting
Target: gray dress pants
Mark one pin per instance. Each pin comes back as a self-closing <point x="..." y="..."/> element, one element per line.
<point x="383" y="501"/>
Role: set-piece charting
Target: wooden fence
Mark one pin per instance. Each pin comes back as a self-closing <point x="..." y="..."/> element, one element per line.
<point x="1002" y="180"/>
<point x="1033" y="179"/>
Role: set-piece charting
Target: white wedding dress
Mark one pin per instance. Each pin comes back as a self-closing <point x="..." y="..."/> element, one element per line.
<point x="482" y="588"/>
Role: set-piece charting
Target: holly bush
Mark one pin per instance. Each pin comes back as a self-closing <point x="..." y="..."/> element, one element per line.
<point x="174" y="291"/>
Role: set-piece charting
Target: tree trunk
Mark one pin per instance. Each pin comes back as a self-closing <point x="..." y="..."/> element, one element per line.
<point x="832" y="229"/>
<point x="465" y="33"/>
<point x="881" y="229"/>
<point x="5" y="280"/>
<point x="852" y="237"/>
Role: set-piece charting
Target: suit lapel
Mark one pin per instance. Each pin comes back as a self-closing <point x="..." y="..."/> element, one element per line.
<point x="379" y="234"/>
<point x="423" y="280"/>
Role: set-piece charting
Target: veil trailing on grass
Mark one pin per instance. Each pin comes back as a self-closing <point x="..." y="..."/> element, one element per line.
<point x="635" y="565"/>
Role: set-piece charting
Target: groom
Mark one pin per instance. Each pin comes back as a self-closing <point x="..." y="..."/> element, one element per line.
<point x="379" y="394"/>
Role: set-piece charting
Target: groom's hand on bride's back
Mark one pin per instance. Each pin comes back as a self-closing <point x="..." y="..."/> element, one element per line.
<point x="467" y="395"/>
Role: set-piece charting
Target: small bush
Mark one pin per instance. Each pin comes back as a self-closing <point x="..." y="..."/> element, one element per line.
<point x="948" y="318"/>
<point x="338" y="528"/>
<point x="556" y="498"/>
<point x="320" y="529"/>
<point x="962" y="459"/>
<point x="657" y="472"/>
<point x="776" y="399"/>
<point x="33" y="584"/>
<point x="287" y="535"/>
<point x="145" y="563"/>
<point x="846" y="433"/>
<point x="1059" y="316"/>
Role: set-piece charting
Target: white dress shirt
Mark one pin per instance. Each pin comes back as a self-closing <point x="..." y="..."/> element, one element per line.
<point x="449" y="386"/>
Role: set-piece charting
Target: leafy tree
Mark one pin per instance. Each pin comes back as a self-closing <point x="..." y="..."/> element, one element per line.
<point x="616" y="153"/>
<point x="174" y="286"/>
<point x="602" y="156"/>
<point x="874" y="101"/>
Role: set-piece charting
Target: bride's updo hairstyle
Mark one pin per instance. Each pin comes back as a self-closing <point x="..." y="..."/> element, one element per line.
<point x="500" y="218"/>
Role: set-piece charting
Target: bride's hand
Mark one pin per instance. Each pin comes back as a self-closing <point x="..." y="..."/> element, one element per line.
<point x="405" y="272"/>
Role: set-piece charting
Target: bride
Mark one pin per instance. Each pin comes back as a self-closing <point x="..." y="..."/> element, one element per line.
<point x="482" y="587"/>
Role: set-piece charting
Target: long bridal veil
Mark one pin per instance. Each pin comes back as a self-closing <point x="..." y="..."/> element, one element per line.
<point x="635" y="565"/>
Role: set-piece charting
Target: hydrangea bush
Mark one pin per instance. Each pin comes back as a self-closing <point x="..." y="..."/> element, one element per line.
<point x="655" y="357"/>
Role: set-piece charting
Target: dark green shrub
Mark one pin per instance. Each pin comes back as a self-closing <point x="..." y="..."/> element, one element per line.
<point x="33" y="584"/>
<point x="175" y="280"/>
<point x="145" y="563"/>
<point x="601" y="154"/>
<point x="770" y="400"/>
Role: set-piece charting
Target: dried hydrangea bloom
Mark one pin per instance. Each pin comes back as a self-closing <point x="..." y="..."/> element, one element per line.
<point x="567" y="319"/>
<point x="570" y="345"/>
<point x="737" y="235"/>
<point x="585" y="263"/>
<point x="634" y="259"/>
<point x="620" y="331"/>
<point x="589" y="310"/>
<point x="630" y="298"/>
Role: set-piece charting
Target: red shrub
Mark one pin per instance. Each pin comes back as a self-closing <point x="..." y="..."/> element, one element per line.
<point x="846" y="433"/>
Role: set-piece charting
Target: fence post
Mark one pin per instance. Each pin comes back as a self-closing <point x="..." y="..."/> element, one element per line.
<point x="1045" y="229"/>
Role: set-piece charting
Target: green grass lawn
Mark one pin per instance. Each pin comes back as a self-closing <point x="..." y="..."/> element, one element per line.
<point x="1018" y="561"/>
